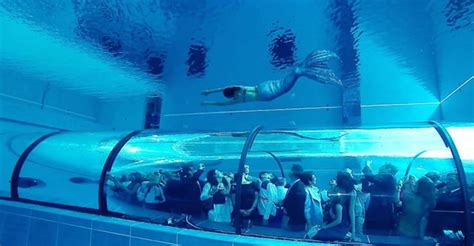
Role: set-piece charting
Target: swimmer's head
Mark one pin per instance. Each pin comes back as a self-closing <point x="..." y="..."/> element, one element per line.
<point x="230" y="92"/>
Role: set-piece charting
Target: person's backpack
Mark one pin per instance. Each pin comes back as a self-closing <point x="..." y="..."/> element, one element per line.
<point x="143" y="191"/>
<point x="150" y="194"/>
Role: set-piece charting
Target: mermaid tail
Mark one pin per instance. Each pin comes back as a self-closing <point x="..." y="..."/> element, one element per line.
<point x="315" y="67"/>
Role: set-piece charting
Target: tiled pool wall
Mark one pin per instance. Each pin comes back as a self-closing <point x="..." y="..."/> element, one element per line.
<point x="27" y="224"/>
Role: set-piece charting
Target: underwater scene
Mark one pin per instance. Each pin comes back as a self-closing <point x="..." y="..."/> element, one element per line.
<point x="322" y="122"/>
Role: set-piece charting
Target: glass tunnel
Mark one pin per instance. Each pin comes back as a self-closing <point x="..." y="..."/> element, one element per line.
<point x="168" y="178"/>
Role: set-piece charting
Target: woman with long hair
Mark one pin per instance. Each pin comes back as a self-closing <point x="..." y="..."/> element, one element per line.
<point x="416" y="208"/>
<point x="341" y="211"/>
<point x="216" y="193"/>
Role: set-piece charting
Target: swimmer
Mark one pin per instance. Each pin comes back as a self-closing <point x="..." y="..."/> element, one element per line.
<point x="314" y="67"/>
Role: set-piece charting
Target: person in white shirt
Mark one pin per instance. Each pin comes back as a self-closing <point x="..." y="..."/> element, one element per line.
<point x="267" y="198"/>
<point x="280" y="183"/>
<point x="312" y="207"/>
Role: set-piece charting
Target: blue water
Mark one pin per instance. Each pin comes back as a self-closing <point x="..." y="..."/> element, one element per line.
<point x="152" y="35"/>
<point x="392" y="52"/>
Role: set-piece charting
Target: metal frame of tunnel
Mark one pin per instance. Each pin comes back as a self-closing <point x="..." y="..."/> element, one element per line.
<point x="243" y="157"/>
<point x="106" y="169"/>
<point x="107" y="166"/>
<point x="16" y="175"/>
<point x="448" y="141"/>
<point x="21" y="161"/>
<point x="282" y="172"/>
<point x="444" y="134"/>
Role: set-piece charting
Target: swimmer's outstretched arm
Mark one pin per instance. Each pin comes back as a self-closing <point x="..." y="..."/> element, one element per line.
<point x="207" y="92"/>
<point x="224" y="103"/>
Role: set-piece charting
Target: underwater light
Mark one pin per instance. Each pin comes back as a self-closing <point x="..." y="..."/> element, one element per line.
<point x="132" y="149"/>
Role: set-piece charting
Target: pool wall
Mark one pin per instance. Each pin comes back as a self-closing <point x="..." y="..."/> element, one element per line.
<point x="403" y="73"/>
<point x="405" y="80"/>
<point x="455" y="69"/>
<point x="31" y="225"/>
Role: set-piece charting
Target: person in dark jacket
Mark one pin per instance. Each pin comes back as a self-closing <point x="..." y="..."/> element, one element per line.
<point x="183" y="194"/>
<point x="295" y="200"/>
<point x="450" y="199"/>
<point x="380" y="216"/>
<point x="187" y="173"/>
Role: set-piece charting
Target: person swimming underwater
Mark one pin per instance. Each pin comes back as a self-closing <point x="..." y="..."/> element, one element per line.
<point x="314" y="67"/>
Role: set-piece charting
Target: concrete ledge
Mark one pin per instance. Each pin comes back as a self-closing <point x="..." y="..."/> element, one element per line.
<point x="31" y="225"/>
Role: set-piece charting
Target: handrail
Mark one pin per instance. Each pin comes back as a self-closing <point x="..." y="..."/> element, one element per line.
<point x="278" y="162"/>
<point x="243" y="157"/>
<point x="21" y="161"/>
<point x="107" y="166"/>
<point x="448" y="141"/>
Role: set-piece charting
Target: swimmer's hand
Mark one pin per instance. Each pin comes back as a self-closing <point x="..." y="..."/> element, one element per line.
<point x="224" y="103"/>
<point x="206" y="92"/>
<point x="206" y="103"/>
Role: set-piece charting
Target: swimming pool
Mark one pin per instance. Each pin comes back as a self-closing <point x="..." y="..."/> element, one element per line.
<point x="79" y="79"/>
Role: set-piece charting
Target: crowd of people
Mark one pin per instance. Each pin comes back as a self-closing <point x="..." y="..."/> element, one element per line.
<point x="350" y="206"/>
